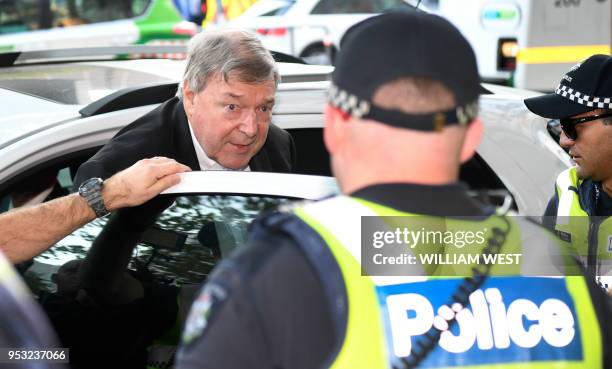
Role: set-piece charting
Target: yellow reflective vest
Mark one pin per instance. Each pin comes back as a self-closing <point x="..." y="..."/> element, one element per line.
<point x="587" y="235"/>
<point x="510" y="321"/>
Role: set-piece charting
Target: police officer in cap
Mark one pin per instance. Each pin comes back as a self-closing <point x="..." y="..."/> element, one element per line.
<point x="581" y="206"/>
<point x="401" y="118"/>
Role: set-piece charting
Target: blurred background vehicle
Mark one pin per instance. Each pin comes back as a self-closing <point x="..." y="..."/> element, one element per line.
<point x="530" y="43"/>
<point x="52" y="24"/>
<point x="310" y="29"/>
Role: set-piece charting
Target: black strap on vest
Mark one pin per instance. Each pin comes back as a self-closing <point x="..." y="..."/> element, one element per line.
<point x="321" y="259"/>
<point x="424" y="346"/>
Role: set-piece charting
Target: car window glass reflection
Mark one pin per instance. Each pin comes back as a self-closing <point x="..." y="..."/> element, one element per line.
<point x="183" y="246"/>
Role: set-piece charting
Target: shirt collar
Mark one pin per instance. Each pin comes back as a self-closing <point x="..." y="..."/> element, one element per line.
<point x="204" y="161"/>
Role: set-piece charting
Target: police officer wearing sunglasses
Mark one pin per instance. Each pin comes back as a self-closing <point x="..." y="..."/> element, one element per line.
<point x="580" y="208"/>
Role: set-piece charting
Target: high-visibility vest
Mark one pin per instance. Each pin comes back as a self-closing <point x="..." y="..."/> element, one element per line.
<point x="587" y="235"/>
<point x="512" y="321"/>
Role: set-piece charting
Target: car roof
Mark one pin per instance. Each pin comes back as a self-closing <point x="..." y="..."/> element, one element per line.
<point x="25" y="114"/>
<point x="40" y="96"/>
<point x="81" y="83"/>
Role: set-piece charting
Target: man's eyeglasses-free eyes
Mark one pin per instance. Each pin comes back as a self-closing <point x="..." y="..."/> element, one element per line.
<point x="568" y="125"/>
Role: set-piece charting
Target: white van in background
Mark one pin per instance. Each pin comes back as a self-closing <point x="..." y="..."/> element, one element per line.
<point x="530" y="44"/>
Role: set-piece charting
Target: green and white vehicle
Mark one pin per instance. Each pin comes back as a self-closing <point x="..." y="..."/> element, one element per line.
<point x="27" y="25"/>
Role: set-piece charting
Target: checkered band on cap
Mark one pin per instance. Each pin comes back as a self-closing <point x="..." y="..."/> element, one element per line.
<point x="347" y="102"/>
<point x="583" y="99"/>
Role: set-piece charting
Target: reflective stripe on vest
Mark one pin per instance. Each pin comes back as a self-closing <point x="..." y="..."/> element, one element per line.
<point x="573" y="224"/>
<point x="338" y="222"/>
<point x="359" y="350"/>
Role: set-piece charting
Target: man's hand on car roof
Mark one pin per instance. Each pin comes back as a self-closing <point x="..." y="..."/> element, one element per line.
<point x="141" y="182"/>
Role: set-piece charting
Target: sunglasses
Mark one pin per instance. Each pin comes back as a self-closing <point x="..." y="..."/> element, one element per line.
<point x="568" y="125"/>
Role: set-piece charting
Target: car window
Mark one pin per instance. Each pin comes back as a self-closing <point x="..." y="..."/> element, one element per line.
<point x="182" y="247"/>
<point x="43" y="185"/>
<point x="27" y="15"/>
<point x="191" y="236"/>
<point x="45" y="182"/>
<point x="357" y="6"/>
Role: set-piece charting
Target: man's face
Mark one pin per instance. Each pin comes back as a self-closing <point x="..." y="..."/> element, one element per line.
<point x="230" y="119"/>
<point x="592" y="149"/>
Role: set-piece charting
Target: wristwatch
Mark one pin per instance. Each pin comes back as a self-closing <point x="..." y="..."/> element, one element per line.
<point x="91" y="191"/>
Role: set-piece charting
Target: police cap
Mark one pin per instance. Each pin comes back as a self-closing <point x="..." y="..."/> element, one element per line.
<point x="402" y="44"/>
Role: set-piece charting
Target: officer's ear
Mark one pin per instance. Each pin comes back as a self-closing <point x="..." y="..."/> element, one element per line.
<point x="334" y="131"/>
<point x="472" y="139"/>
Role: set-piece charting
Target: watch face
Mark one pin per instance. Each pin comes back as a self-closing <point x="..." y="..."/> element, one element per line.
<point x="90" y="185"/>
<point x="91" y="190"/>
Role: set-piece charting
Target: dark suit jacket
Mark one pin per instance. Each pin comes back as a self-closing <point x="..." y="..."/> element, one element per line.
<point x="165" y="132"/>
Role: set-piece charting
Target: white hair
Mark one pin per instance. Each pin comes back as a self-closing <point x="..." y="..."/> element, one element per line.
<point x="221" y="52"/>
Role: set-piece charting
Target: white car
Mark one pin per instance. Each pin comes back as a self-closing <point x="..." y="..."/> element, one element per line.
<point x="310" y="29"/>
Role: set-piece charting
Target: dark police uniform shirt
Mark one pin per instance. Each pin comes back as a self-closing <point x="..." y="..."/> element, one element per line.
<point x="604" y="205"/>
<point x="264" y="307"/>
